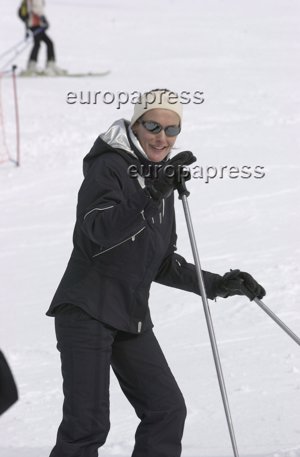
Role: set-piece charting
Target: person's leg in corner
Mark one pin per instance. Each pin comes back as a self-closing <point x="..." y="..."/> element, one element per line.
<point x="85" y="347"/>
<point x="149" y="385"/>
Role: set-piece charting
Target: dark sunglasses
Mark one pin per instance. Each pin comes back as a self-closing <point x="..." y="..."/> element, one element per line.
<point x="155" y="127"/>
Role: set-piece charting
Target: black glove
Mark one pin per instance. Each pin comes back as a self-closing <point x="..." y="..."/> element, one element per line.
<point x="44" y="22"/>
<point x="169" y="175"/>
<point x="237" y="282"/>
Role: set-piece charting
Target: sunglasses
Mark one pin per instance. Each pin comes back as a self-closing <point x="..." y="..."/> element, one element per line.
<point x="155" y="127"/>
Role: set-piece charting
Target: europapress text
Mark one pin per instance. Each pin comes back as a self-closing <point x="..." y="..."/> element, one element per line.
<point x="207" y="173"/>
<point x="121" y="98"/>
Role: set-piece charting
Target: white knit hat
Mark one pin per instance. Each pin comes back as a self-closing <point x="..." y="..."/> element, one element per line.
<point x="157" y="99"/>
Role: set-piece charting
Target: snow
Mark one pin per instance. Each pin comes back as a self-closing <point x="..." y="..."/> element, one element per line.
<point x="244" y="57"/>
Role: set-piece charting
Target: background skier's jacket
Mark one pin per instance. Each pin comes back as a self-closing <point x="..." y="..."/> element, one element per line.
<point x="36" y="14"/>
<point x="122" y="242"/>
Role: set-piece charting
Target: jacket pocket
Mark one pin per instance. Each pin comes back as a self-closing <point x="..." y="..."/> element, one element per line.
<point x="130" y="238"/>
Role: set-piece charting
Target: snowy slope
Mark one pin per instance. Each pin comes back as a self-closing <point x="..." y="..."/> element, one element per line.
<point x="245" y="58"/>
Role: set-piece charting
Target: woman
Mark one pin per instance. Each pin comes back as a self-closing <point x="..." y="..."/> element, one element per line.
<point x="124" y="239"/>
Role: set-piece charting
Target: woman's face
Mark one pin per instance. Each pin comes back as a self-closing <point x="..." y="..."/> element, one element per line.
<point x="156" y="145"/>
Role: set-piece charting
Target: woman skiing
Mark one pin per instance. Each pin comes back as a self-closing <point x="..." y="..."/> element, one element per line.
<point x="124" y="239"/>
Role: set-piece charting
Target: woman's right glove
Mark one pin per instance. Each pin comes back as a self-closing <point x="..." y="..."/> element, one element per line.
<point x="237" y="282"/>
<point x="168" y="175"/>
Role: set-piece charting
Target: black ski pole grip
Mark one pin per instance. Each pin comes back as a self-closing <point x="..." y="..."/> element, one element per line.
<point x="181" y="185"/>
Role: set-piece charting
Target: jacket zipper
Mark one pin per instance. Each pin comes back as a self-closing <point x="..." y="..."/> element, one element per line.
<point x="162" y="214"/>
<point x="97" y="209"/>
<point x="132" y="238"/>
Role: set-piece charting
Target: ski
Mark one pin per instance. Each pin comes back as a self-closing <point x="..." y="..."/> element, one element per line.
<point x="25" y="74"/>
<point x="84" y="75"/>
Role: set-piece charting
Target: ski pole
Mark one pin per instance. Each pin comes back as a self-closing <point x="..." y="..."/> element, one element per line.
<point x="19" y="43"/>
<point x="275" y="318"/>
<point x="183" y="194"/>
<point x="19" y="51"/>
<point x="16" y="54"/>
<point x="12" y="48"/>
<point x="17" y="117"/>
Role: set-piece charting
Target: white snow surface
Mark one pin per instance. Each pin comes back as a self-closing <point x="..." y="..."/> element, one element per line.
<point x="244" y="57"/>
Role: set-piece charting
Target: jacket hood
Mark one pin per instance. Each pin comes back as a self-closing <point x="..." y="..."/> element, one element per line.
<point x="118" y="138"/>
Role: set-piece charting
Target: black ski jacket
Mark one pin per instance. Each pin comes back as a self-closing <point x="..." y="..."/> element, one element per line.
<point x="8" y="388"/>
<point x="122" y="240"/>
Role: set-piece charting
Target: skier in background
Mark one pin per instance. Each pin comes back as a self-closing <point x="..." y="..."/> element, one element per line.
<point x="8" y="388"/>
<point x="124" y="239"/>
<point x="37" y="23"/>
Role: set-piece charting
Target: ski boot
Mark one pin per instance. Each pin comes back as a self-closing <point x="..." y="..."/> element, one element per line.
<point x="31" y="70"/>
<point x="53" y="70"/>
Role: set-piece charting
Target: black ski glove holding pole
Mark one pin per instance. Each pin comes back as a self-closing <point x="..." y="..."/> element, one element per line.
<point x="44" y="23"/>
<point x="169" y="176"/>
<point x="237" y="282"/>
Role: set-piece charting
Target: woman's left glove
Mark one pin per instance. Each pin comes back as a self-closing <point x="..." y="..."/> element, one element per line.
<point x="44" y="22"/>
<point x="237" y="282"/>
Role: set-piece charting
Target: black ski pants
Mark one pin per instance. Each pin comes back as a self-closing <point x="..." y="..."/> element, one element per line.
<point x="88" y="348"/>
<point x="38" y="38"/>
